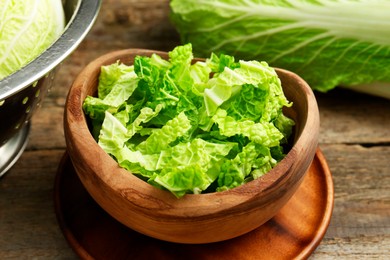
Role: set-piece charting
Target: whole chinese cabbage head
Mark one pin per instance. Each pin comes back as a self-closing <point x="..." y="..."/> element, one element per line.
<point x="328" y="42"/>
<point x="27" y="28"/>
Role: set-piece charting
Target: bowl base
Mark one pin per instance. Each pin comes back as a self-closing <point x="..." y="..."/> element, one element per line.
<point x="12" y="149"/>
<point x="294" y="233"/>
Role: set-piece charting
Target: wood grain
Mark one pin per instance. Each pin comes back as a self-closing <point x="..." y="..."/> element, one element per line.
<point x="354" y="137"/>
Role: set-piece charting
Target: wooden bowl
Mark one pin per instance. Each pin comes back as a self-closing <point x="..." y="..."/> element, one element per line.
<point x="201" y="218"/>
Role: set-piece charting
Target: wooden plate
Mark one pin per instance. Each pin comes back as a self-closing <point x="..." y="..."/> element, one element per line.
<point x="294" y="232"/>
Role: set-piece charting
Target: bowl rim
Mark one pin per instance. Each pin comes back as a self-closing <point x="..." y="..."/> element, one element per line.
<point x="216" y="202"/>
<point x="75" y="31"/>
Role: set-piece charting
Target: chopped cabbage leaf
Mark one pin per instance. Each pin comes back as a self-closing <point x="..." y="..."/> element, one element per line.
<point x="191" y="127"/>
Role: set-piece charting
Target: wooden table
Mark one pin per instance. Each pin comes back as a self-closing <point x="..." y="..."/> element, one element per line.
<point x="354" y="137"/>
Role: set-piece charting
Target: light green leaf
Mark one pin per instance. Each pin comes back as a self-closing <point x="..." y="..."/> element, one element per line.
<point x="161" y="138"/>
<point x="113" y="134"/>
<point x="263" y="133"/>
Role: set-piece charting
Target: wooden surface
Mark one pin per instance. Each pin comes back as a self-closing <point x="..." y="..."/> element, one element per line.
<point x="354" y="137"/>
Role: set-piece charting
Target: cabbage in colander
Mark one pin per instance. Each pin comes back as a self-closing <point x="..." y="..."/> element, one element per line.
<point x="27" y="28"/>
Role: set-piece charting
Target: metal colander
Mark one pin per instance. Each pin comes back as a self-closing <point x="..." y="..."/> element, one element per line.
<point x="22" y="92"/>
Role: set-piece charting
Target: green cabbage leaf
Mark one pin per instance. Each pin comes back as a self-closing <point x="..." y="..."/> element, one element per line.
<point x="191" y="127"/>
<point x="329" y="43"/>
<point x="27" y="28"/>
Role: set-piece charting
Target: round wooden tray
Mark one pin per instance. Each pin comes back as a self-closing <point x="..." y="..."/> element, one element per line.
<point x="294" y="232"/>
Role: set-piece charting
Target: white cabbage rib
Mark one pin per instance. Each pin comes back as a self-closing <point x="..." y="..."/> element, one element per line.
<point x="27" y="28"/>
<point x="361" y="20"/>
